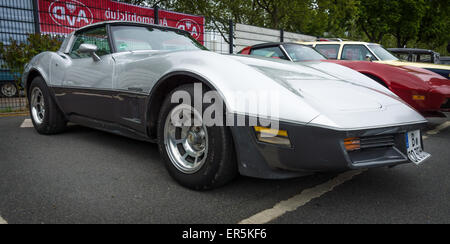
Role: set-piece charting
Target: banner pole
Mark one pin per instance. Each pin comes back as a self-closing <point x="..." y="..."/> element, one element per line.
<point x="37" y="28"/>
<point x="156" y="15"/>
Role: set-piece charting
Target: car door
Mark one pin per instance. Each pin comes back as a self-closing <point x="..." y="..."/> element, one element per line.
<point x="87" y="84"/>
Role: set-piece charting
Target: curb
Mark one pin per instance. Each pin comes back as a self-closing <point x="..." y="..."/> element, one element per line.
<point x="15" y="114"/>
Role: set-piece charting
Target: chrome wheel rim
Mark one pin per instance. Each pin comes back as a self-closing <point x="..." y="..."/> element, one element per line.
<point x="186" y="145"/>
<point x="9" y="90"/>
<point x="37" y="105"/>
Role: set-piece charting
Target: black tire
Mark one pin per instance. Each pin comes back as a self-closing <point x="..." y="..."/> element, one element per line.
<point x="53" y="121"/>
<point x="220" y="165"/>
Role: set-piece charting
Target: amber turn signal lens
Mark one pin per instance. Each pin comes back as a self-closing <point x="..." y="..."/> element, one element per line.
<point x="272" y="136"/>
<point x="352" y="144"/>
<point x="271" y="131"/>
<point x="418" y="97"/>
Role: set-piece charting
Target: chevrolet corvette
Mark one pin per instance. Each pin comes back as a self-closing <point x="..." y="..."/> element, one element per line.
<point x="129" y="78"/>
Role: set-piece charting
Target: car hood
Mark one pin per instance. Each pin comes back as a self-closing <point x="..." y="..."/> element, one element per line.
<point x="327" y="86"/>
<point x="409" y="76"/>
<point x="345" y="98"/>
<point x="316" y="92"/>
<point x="413" y="64"/>
<point x="434" y="81"/>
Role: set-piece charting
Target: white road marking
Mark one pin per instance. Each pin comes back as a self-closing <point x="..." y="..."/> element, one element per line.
<point x="2" y="221"/>
<point x="436" y="130"/>
<point x="439" y="128"/>
<point x="301" y="199"/>
<point x="27" y="124"/>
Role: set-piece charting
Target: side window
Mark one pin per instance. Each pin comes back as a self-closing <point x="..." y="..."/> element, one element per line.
<point x="423" y="58"/>
<point x="269" y="52"/>
<point x="355" y="52"/>
<point x="97" y="36"/>
<point x="403" y="56"/>
<point x="328" y="50"/>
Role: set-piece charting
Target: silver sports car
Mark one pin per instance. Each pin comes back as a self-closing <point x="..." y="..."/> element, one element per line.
<point x="214" y="116"/>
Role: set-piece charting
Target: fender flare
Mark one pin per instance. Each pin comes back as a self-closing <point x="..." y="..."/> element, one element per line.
<point x="161" y="89"/>
<point x="39" y="72"/>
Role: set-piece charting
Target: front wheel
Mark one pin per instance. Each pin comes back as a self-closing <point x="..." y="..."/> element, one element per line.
<point x="47" y="118"/>
<point x="199" y="157"/>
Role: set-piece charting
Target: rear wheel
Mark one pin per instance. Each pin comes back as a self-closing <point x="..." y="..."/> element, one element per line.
<point x="199" y="157"/>
<point x="8" y="89"/>
<point x="46" y="116"/>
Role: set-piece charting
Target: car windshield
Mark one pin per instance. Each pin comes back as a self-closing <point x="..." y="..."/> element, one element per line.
<point x="302" y="53"/>
<point x="382" y="53"/>
<point x="134" y="38"/>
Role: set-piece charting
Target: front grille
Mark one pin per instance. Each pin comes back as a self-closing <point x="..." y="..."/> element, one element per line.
<point x="377" y="141"/>
<point x="446" y="105"/>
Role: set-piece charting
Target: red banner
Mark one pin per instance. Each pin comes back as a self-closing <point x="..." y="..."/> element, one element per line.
<point x="65" y="16"/>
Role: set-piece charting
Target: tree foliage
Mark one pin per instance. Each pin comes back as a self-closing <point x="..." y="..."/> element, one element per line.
<point x="16" y="54"/>
<point x="373" y="19"/>
<point x="435" y="24"/>
<point x="404" y="20"/>
<point x="421" y="23"/>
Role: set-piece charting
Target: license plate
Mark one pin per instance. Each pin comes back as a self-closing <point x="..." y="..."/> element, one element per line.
<point x="414" y="147"/>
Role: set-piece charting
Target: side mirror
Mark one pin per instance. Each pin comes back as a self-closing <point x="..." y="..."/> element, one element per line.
<point x="369" y="57"/>
<point x="90" y="49"/>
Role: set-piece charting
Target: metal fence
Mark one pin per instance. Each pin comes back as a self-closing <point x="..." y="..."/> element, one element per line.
<point x="247" y="35"/>
<point x="16" y="22"/>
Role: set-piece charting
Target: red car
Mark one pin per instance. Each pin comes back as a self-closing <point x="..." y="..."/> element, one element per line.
<point x="426" y="91"/>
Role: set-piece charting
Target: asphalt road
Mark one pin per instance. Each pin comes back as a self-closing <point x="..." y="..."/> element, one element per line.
<point x="88" y="176"/>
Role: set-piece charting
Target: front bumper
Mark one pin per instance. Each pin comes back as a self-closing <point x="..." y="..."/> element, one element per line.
<point x="316" y="149"/>
<point x="436" y="99"/>
<point x="441" y="97"/>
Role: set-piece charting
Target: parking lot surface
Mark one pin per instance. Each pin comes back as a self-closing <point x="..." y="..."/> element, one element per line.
<point x="88" y="176"/>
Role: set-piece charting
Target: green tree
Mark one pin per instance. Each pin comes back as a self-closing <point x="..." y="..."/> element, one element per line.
<point x="303" y="16"/>
<point x="334" y="18"/>
<point x="373" y="18"/>
<point x="404" y="20"/>
<point x="218" y="13"/>
<point x="16" y="54"/>
<point x="398" y="23"/>
<point x="435" y="25"/>
<point x="151" y="3"/>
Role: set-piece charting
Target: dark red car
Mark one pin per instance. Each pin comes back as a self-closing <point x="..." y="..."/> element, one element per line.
<point x="427" y="92"/>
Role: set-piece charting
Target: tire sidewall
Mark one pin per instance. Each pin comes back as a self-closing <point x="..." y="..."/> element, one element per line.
<point x="216" y="148"/>
<point x="39" y="82"/>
